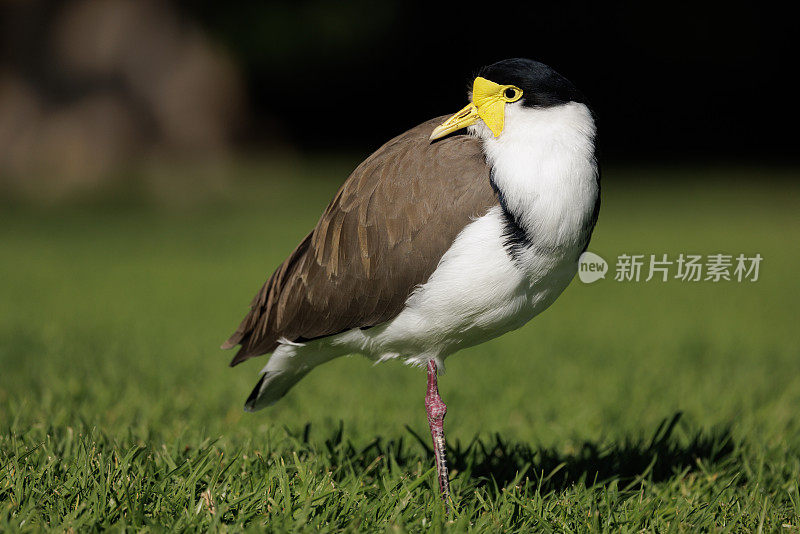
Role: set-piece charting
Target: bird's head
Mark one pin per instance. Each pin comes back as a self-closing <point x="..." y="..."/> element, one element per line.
<point x="506" y="85"/>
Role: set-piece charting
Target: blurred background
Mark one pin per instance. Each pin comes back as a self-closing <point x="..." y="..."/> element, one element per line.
<point x="91" y="90"/>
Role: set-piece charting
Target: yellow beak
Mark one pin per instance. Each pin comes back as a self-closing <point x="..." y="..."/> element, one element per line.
<point x="468" y="115"/>
<point x="488" y="103"/>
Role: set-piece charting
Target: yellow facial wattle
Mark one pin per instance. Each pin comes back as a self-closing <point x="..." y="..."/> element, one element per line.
<point x="488" y="104"/>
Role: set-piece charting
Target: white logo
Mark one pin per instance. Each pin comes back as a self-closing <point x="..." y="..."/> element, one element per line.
<point x="591" y="267"/>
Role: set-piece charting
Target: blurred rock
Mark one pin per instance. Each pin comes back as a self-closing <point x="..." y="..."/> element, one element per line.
<point x="199" y="99"/>
<point x="20" y="118"/>
<point x="85" y="142"/>
<point x="92" y="37"/>
<point x="124" y="80"/>
<point x="192" y="90"/>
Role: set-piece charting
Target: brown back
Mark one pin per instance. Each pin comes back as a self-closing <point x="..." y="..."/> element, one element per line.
<point x="381" y="236"/>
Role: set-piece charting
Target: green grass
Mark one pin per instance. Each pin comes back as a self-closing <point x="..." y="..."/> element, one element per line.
<point x="664" y="407"/>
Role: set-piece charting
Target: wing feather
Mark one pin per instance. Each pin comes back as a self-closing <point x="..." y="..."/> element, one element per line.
<point x="381" y="236"/>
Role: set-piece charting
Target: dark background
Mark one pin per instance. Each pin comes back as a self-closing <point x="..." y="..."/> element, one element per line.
<point x="667" y="81"/>
<point x="90" y="86"/>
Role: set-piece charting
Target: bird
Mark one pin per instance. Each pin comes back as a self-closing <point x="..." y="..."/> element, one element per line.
<point x="455" y="232"/>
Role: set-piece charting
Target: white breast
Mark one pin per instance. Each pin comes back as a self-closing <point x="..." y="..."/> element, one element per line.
<point x="544" y="166"/>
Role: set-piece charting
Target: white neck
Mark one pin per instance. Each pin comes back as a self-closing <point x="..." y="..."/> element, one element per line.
<point x="544" y="166"/>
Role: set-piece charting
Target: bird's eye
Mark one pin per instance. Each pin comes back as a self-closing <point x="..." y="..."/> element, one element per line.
<point x="511" y="94"/>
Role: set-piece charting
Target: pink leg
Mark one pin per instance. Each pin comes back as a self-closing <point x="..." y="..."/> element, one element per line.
<point x="436" y="410"/>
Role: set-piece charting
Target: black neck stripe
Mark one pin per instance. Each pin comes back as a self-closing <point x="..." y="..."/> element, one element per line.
<point x="515" y="238"/>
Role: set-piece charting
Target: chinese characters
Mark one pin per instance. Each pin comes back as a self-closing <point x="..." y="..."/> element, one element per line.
<point x="687" y="268"/>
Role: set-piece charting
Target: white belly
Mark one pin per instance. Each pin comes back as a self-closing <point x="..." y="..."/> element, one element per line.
<point x="477" y="292"/>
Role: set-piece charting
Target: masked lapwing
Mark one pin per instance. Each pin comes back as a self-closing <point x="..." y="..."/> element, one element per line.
<point x="451" y="234"/>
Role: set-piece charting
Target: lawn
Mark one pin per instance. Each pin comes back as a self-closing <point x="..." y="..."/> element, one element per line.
<point x="658" y="406"/>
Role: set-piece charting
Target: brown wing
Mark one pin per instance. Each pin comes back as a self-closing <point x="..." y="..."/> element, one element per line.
<point x="381" y="236"/>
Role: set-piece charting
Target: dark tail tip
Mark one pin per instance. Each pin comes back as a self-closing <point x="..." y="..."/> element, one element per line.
<point x="250" y="403"/>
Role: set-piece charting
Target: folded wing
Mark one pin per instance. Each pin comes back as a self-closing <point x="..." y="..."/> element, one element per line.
<point x="381" y="236"/>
